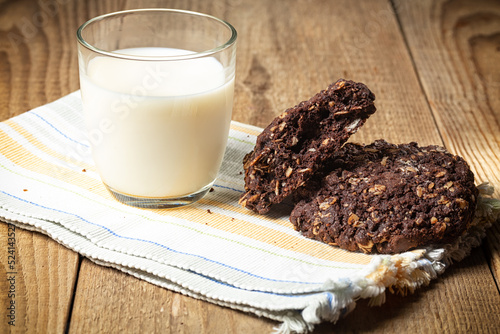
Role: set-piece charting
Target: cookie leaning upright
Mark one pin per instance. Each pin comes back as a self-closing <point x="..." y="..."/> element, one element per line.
<point x="298" y="142"/>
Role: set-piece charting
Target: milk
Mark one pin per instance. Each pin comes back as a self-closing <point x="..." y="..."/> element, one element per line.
<point x="152" y="136"/>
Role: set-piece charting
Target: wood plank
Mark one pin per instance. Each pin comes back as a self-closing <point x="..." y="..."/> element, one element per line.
<point x="451" y="305"/>
<point x="456" y="48"/>
<point x="40" y="285"/>
<point x="288" y="53"/>
<point x="109" y="301"/>
<point x="35" y="54"/>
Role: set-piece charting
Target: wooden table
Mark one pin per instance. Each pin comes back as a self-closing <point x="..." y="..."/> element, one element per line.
<point x="434" y="67"/>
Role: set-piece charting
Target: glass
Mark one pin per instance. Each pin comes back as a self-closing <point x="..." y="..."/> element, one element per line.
<point x="157" y="88"/>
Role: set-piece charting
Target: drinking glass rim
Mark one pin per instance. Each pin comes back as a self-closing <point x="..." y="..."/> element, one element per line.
<point x="227" y="44"/>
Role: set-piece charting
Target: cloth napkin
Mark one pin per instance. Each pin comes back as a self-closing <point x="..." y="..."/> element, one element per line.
<point x="213" y="250"/>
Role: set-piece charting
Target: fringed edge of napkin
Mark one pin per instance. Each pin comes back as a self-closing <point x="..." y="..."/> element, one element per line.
<point x="402" y="273"/>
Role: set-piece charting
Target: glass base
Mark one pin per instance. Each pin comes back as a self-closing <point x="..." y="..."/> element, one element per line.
<point x="159" y="202"/>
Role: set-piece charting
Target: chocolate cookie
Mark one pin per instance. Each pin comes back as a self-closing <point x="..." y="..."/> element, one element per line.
<point x="388" y="198"/>
<point x="292" y="148"/>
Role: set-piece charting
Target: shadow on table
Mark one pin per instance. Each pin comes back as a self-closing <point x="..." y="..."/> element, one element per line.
<point x="425" y="308"/>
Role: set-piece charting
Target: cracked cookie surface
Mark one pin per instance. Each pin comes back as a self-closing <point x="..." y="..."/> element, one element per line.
<point x="388" y="198"/>
<point x="295" y="145"/>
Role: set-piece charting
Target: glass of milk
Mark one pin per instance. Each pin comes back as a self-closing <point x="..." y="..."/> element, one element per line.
<point x="157" y="88"/>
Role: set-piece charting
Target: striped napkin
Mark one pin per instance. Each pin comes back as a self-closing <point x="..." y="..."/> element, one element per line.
<point x="213" y="250"/>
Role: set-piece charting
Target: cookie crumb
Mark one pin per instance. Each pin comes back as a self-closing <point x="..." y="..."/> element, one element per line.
<point x="208" y="210"/>
<point x="211" y="189"/>
<point x="25" y="189"/>
<point x="84" y="170"/>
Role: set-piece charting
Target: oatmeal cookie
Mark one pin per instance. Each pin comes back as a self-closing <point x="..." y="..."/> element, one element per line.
<point x="388" y="198"/>
<point x="295" y="145"/>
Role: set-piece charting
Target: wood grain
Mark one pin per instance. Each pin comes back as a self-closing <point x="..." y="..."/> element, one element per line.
<point x="36" y="57"/>
<point x="289" y="53"/>
<point x="456" y="49"/>
<point x="456" y="315"/>
<point x="433" y="66"/>
<point x="44" y="277"/>
<point x="114" y="302"/>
